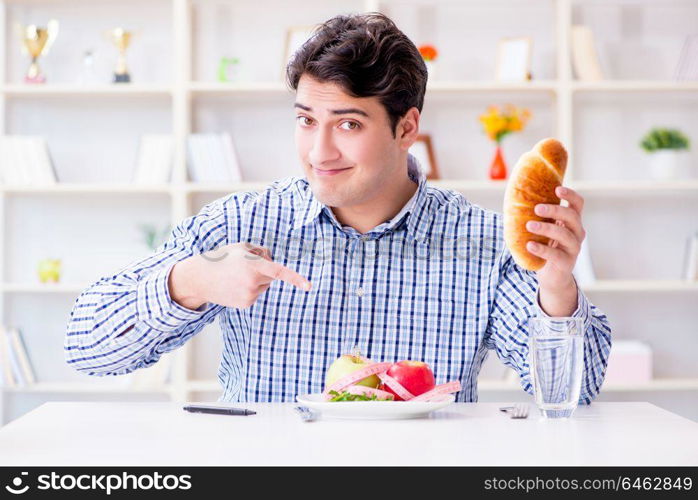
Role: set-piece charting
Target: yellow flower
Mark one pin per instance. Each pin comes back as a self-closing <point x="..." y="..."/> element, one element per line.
<point x="497" y="123"/>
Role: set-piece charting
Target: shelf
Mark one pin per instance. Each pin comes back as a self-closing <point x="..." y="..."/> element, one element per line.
<point x="62" y="90"/>
<point x="605" y="188"/>
<point x="668" y="384"/>
<point x="82" y="387"/>
<point x="615" y="286"/>
<point x="466" y="185"/>
<point x="267" y="88"/>
<point x="280" y="88"/>
<point x="437" y="87"/>
<point x="445" y="87"/>
<point x="636" y="187"/>
<point x="209" y="187"/>
<point x="656" y="385"/>
<point x="624" y="188"/>
<point x="665" y="384"/>
<point x="58" y="2"/>
<point x="204" y="386"/>
<point x="86" y="188"/>
<point x="41" y="288"/>
<point x="642" y="286"/>
<point x="634" y="86"/>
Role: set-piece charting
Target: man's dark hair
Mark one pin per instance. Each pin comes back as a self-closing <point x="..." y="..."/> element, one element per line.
<point x="366" y="55"/>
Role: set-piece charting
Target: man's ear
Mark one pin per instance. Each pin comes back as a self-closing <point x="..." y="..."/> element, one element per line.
<point x="408" y="129"/>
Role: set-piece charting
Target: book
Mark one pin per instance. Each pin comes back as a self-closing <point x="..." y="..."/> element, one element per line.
<point x="214" y="154"/>
<point x="20" y="350"/>
<point x="5" y="361"/>
<point x="17" y="373"/>
<point x="691" y="259"/>
<point x="25" y="160"/>
<point x="585" y="58"/>
<point x="155" y="156"/>
<point x="231" y="156"/>
<point x="41" y="164"/>
<point x="195" y="160"/>
<point x="8" y="160"/>
<point x="687" y="66"/>
<point x="212" y="158"/>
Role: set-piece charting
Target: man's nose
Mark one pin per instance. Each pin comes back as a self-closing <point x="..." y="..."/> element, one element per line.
<point x="323" y="149"/>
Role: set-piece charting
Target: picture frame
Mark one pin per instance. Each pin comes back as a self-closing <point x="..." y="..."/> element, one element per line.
<point x="514" y="59"/>
<point x="423" y="151"/>
<point x="296" y="36"/>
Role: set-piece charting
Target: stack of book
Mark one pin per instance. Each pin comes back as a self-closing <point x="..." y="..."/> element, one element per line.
<point x="25" y="160"/>
<point x="212" y="157"/>
<point x="15" y="368"/>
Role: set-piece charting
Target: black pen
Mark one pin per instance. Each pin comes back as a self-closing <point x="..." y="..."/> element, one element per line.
<point x="218" y="410"/>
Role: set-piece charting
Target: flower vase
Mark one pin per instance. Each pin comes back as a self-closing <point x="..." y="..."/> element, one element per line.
<point x="498" y="167"/>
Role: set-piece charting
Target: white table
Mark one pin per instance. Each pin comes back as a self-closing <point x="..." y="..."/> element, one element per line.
<point x="150" y="434"/>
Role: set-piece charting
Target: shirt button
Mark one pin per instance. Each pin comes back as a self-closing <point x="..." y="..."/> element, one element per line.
<point x="360" y="291"/>
<point x="365" y="238"/>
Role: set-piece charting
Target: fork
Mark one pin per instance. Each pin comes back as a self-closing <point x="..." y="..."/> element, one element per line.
<point x="520" y="410"/>
<point x="307" y="415"/>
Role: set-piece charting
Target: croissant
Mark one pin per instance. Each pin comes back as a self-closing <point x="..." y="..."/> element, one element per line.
<point x="533" y="180"/>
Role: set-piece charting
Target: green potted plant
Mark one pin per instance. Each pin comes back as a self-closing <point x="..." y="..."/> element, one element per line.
<point x="154" y="237"/>
<point x="666" y="148"/>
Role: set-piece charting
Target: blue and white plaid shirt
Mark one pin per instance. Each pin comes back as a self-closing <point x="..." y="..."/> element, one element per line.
<point x="436" y="283"/>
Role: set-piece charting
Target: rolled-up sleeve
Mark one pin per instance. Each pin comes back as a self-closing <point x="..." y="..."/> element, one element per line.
<point x="128" y="320"/>
<point x="515" y="299"/>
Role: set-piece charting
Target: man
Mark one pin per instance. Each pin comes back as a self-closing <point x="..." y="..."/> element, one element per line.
<point x="360" y="252"/>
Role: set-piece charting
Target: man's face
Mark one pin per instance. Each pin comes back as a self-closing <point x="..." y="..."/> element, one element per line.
<point x="345" y="144"/>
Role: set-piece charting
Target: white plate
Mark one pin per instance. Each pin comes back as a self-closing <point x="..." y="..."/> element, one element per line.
<point x="372" y="410"/>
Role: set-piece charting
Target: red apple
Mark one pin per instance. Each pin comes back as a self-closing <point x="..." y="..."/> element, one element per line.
<point x="415" y="376"/>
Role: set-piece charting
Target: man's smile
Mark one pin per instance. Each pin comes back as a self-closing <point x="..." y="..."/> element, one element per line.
<point x="336" y="171"/>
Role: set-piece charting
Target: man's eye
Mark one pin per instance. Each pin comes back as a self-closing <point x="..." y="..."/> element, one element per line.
<point x="350" y="125"/>
<point x="304" y="120"/>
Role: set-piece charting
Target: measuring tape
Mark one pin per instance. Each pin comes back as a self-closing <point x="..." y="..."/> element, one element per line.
<point x="439" y="392"/>
<point x="358" y="375"/>
<point x="348" y="383"/>
<point x="396" y="386"/>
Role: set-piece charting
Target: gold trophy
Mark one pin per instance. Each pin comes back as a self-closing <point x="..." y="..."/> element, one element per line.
<point x="37" y="41"/>
<point x="121" y="38"/>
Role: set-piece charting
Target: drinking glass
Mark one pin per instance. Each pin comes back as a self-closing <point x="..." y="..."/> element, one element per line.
<point x="556" y="358"/>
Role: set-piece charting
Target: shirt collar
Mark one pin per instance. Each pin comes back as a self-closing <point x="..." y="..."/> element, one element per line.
<point x="309" y="208"/>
